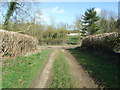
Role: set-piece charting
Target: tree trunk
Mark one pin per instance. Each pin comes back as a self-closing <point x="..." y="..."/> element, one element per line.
<point x="10" y="11"/>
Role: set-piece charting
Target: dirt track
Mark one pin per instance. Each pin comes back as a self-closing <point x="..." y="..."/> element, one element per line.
<point x="42" y="78"/>
<point x="82" y="78"/>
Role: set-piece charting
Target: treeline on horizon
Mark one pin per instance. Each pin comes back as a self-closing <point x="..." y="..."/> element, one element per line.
<point x="15" y="19"/>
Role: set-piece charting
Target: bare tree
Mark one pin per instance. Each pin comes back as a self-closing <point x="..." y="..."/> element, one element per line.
<point x="78" y="23"/>
<point x="103" y="23"/>
<point x="112" y="26"/>
<point x="16" y="13"/>
<point x="12" y="7"/>
<point x="112" y="21"/>
<point x="63" y="26"/>
<point x="107" y="21"/>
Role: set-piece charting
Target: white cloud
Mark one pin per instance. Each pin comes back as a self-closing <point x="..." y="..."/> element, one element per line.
<point x="46" y="15"/>
<point x="45" y="18"/>
<point x="42" y="18"/>
<point x="58" y="10"/>
<point x="98" y="10"/>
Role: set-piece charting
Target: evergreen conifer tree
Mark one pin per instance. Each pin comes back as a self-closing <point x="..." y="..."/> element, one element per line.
<point x="89" y="21"/>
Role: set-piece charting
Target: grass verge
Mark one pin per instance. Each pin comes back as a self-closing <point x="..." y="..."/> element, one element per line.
<point x="100" y="66"/>
<point x="20" y="72"/>
<point x="61" y="75"/>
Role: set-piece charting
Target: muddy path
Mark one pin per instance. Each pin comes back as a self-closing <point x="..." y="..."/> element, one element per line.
<point x="43" y="76"/>
<point x="57" y="47"/>
<point x="82" y="78"/>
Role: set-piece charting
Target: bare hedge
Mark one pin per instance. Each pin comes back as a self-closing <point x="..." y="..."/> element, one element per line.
<point x="105" y="42"/>
<point x="14" y="44"/>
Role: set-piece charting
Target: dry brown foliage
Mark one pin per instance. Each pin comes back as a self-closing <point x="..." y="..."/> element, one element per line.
<point x="105" y="42"/>
<point x="14" y="44"/>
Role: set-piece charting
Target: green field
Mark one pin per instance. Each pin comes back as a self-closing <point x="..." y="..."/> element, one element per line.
<point x="61" y="73"/>
<point x="102" y="67"/>
<point x="73" y="40"/>
<point x="20" y="72"/>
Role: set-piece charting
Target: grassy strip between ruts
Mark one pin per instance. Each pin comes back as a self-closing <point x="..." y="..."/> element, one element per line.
<point x="61" y="77"/>
<point x="101" y="66"/>
<point x="20" y="72"/>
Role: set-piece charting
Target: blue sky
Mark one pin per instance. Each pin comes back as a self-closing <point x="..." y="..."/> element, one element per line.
<point x="67" y="11"/>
